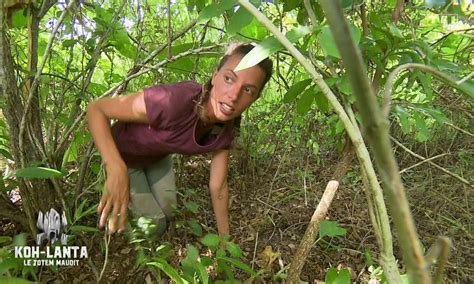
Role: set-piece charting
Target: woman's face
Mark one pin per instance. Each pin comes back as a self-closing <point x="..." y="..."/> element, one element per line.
<point x="233" y="92"/>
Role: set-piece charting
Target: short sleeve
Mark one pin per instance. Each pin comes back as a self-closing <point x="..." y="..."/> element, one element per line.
<point x="157" y="100"/>
<point x="169" y="105"/>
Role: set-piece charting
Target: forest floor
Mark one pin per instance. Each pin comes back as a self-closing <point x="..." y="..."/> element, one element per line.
<point x="271" y="207"/>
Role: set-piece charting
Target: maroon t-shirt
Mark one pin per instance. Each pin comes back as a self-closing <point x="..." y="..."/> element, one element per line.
<point x="172" y="117"/>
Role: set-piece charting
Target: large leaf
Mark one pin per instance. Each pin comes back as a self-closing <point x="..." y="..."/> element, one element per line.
<point x="326" y="40"/>
<point x="269" y="46"/>
<point x="19" y="20"/>
<point x="254" y="30"/>
<point x="331" y="229"/>
<point x="13" y="280"/>
<point x="211" y="240"/>
<point x="306" y="100"/>
<point x="295" y="90"/>
<point x="422" y="133"/>
<point x="214" y="10"/>
<point x="239" y="264"/>
<point x="403" y="117"/>
<point x="38" y="172"/>
<point x="239" y="20"/>
<point x="169" y="270"/>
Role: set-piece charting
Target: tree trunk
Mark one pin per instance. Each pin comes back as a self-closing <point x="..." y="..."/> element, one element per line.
<point x="36" y="195"/>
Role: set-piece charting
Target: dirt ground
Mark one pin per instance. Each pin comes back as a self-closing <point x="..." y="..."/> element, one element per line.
<point x="270" y="206"/>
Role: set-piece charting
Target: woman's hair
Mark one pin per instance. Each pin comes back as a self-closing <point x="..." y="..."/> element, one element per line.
<point x="232" y="49"/>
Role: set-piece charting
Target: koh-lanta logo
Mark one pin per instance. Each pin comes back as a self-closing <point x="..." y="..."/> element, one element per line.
<point x="53" y="226"/>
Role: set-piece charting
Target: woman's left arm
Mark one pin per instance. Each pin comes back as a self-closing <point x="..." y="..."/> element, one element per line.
<point x="220" y="190"/>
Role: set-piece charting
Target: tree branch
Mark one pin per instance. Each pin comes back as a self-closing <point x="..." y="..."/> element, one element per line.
<point x="378" y="135"/>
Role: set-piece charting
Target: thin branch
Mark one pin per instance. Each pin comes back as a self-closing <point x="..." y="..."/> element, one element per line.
<point x="450" y="33"/>
<point x="465" y="78"/>
<point x="170" y="31"/>
<point x="459" y="129"/>
<point x="107" y="237"/>
<point x="311" y="14"/>
<point x="424" y="161"/>
<point x="430" y="162"/>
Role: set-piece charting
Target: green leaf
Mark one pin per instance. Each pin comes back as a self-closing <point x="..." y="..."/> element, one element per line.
<point x="426" y="83"/>
<point x="169" y="270"/>
<point x="234" y="249"/>
<point x="239" y="264"/>
<point x="344" y="85"/>
<point x="83" y="229"/>
<point x="255" y="30"/>
<point x="19" y="20"/>
<point x="291" y="5"/>
<point x="437" y="114"/>
<point x="339" y="126"/>
<point x="211" y="240"/>
<point x="331" y="276"/>
<point x="467" y="88"/>
<point x="192" y="206"/>
<point x="297" y="33"/>
<point x="239" y="20"/>
<point x="13" y="280"/>
<point x="38" y="172"/>
<point x="208" y="13"/>
<point x="403" y="118"/>
<point x="267" y="47"/>
<point x="295" y="90"/>
<point x="306" y="100"/>
<point x="5" y="239"/>
<point x="326" y="40"/>
<point x="322" y="102"/>
<point x="195" y="227"/>
<point x="331" y="229"/>
<point x="422" y="133"/>
<point x="214" y="10"/>
<point x="394" y="30"/>
<point x="344" y="277"/>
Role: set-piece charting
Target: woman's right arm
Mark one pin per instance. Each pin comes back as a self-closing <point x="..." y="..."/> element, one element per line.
<point x="115" y="198"/>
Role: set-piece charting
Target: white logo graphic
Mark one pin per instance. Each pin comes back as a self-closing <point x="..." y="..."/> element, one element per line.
<point x="53" y="225"/>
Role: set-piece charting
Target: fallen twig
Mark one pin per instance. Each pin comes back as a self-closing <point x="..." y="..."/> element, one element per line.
<point x="311" y="231"/>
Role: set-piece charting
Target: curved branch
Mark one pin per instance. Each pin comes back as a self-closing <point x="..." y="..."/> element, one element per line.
<point x="387" y="97"/>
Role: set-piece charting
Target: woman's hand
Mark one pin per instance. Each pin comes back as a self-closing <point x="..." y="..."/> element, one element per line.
<point x="114" y="201"/>
<point x="115" y="198"/>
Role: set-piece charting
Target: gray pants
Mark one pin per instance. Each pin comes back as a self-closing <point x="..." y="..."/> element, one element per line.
<point x="153" y="193"/>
